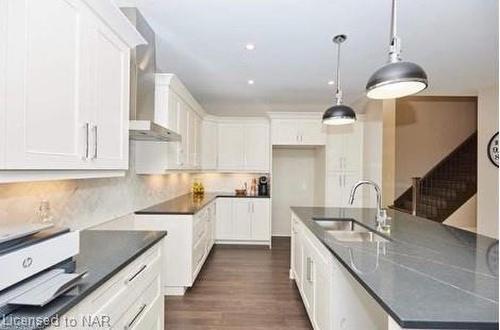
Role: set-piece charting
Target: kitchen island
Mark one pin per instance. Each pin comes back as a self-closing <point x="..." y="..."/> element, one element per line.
<point x="421" y="273"/>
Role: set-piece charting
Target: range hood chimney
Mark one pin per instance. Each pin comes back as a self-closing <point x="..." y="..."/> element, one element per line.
<point x="143" y="125"/>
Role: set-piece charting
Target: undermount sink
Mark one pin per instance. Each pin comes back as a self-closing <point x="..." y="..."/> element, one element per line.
<point x="356" y="236"/>
<point x="349" y="231"/>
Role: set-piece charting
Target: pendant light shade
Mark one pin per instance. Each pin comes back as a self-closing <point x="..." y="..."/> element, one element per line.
<point x="339" y="114"/>
<point x="397" y="78"/>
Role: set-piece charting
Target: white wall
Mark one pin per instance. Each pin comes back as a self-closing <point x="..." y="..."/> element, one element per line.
<point x="294" y="184"/>
<point x="487" y="180"/>
<point x="465" y="216"/>
<point x="84" y="203"/>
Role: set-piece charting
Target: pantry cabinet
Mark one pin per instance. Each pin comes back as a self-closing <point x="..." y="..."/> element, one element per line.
<point x="297" y="129"/>
<point x="66" y="103"/>
<point x="243" y="220"/>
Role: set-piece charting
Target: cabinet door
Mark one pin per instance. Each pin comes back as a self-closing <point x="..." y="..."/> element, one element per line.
<point x="335" y="194"/>
<point x="260" y="219"/>
<point x="197" y="141"/>
<point x="312" y="132"/>
<point x="231" y="146"/>
<point x="182" y="129"/>
<point x="308" y="277"/>
<point x="224" y="216"/>
<point x="173" y="109"/>
<point x="209" y="145"/>
<point x="297" y="253"/>
<point x="242" y="219"/>
<point x="47" y="80"/>
<point x="109" y="129"/>
<point x="257" y="147"/>
<point x="323" y="283"/>
<point x="191" y="139"/>
<point x="284" y="132"/>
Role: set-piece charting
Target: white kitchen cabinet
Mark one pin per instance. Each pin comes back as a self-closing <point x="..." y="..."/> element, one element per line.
<point x="344" y="150"/>
<point x="243" y="145"/>
<point x="333" y="299"/>
<point x="209" y="145"/>
<point x="256" y="147"/>
<point x="66" y="86"/>
<point x="338" y="188"/>
<point x="131" y="299"/>
<point x="224" y="222"/>
<point x="109" y="128"/>
<point x="231" y="146"/>
<point x="243" y="220"/>
<point x="186" y="247"/>
<point x="297" y="129"/>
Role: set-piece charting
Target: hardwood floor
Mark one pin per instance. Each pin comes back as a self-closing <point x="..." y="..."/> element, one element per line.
<point x="241" y="288"/>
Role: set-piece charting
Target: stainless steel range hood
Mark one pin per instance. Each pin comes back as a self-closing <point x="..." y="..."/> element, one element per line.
<point x="143" y="125"/>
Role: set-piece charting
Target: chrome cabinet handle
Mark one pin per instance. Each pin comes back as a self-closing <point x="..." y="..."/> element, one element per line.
<point x="253" y="207"/>
<point x="136" y="317"/>
<point x="86" y="149"/>
<point x="131" y="278"/>
<point x="95" y="141"/>
<point x="309" y="270"/>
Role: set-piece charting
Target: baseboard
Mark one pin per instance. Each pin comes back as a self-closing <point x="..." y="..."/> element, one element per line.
<point x="174" y="290"/>
<point x="236" y="242"/>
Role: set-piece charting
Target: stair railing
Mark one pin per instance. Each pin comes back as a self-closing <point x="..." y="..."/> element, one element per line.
<point x="416" y="184"/>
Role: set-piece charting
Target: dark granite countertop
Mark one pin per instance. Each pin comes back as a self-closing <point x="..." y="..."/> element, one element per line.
<point x="103" y="253"/>
<point x="190" y="203"/>
<point x="428" y="275"/>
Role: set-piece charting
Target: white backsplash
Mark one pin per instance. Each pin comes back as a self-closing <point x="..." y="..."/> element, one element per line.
<point x="87" y="202"/>
<point x="226" y="182"/>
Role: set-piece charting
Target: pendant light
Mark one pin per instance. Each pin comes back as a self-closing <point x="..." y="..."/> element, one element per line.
<point x="397" y="78"/>
<point x="339" y="114"/>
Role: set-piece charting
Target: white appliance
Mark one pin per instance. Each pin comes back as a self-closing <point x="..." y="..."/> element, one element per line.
<point x="32" y="264"/>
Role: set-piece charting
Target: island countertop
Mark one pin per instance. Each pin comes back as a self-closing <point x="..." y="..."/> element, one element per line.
<point x="102" y="254"/>
<point x="428" y="275"/>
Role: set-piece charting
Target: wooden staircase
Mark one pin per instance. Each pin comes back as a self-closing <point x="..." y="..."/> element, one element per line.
<point x="446" y="187"/>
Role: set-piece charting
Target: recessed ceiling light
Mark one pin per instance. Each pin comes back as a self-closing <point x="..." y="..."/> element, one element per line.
<point x="251" y="82"/>
<point x="331" y="82"/>
<point x="250" y="46"/>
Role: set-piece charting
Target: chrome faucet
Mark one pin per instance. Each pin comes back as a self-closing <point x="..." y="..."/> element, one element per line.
<point x="381" y="212"/>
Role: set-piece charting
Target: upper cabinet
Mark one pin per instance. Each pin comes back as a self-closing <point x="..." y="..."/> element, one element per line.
<point x="177" y="110"/>
<point x="243" y="145"/>
<point x="297" y="129"/>
<point x="66" y="86"/>
<point x="209" y="144"/>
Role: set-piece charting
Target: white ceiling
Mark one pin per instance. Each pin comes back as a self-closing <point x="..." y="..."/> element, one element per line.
<point x="455" y="41"/>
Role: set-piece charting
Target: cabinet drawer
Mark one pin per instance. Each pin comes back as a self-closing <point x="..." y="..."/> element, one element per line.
<point x="199" y="229"/>
<point x="140" y="312"/>
<point x="199" y="252"/>
<point x="114" y="296"/>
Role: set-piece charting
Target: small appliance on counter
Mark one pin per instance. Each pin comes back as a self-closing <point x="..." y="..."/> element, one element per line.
<point x="263" y="186"/>
<point x="36" y="263"/>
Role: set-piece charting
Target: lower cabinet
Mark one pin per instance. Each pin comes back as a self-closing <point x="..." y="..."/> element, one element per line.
<point x="131" y="299"/>
<point x="186" y="247"/>
<point x="332" y="298"/>
<point x="243" y="220"/>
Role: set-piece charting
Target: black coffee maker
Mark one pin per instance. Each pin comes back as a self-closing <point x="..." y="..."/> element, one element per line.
<point x="263" y="186"/>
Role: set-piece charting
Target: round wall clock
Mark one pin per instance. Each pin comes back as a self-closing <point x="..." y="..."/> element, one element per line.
<point x="493" y="149"/>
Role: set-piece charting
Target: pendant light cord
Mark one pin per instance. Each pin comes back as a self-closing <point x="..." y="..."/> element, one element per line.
<point x="395" y="42"/>
<point x="338" y="93"/>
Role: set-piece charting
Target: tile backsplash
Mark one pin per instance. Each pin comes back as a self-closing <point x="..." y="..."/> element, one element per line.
<point x="87" y="202"/>
<point x="84" y="203"/>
